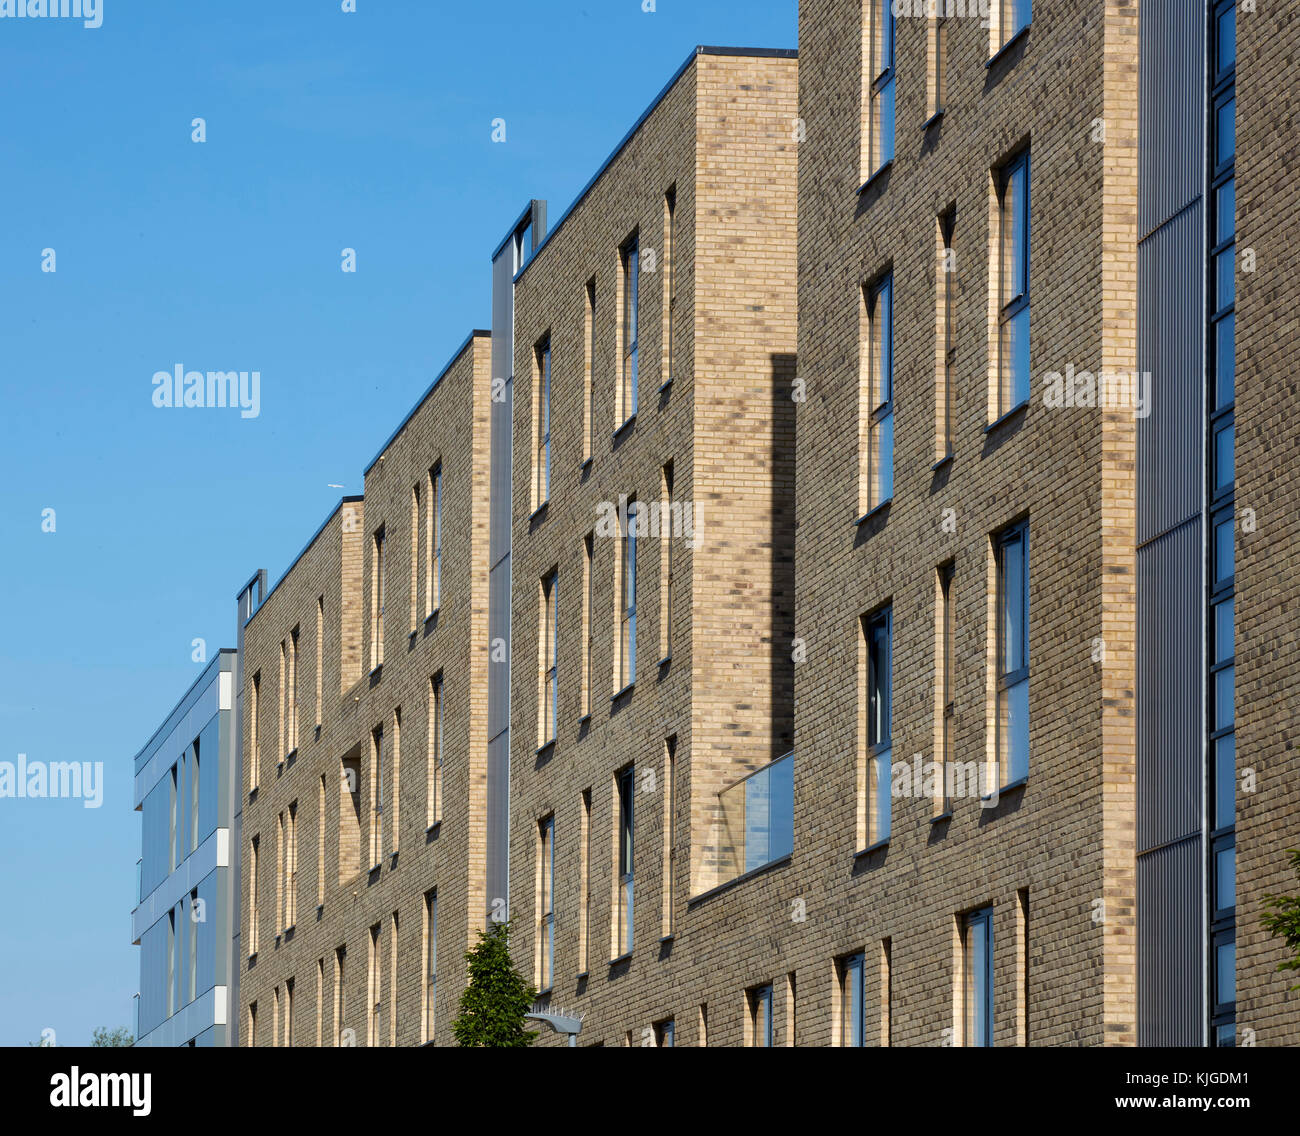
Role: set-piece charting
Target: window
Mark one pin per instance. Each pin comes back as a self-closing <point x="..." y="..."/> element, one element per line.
<point x="288" y="1013"/>
<point x="1221" y="480"/>
<point x="392" y="980"/>
<point x="626" y="592"/>
<point x="194" y="796"/>
<point x="254" y="909"/>
<point x="665" y="1033"/>
<point x="1013" y="285"/>
<point x="320" y="1001"/>
<point x="430" y="965"/>
<point x="760" y="1017"/>
<point x="589" y="375"/>
<point x="853" y="1020"/>
<point x="876" y="410"/>
<point x="252" y="1023"/>
<point x="292" y="741"/>
<point x="340" y="997"/>
<point x="254" y="735"/>
<point x="542" y="451"/>
<point x="320" y="657"/>
<point x="666" y="564"/>
<point x="320" y="843"/>
<point x="670" y="829"/>
<point x="173" y="824"/>
<point x="395" y="780"/>
<point x="283" y="725"/>
<point x="944" y="706"/>
<point x="291" y="867"/>
<point x="630" y="264"/>
<point x="377" y="590"/>
<point x="977" y="977"/>
<point x="415" y="558"/>
<point x="878" y="630"/>
<point x="1012" y="549"/>
<point x="350" y="812"/>
<point x="196" y="917"/>
<point x="171" y="962"/>
<point x="588" y="606"/>
<point x="433" y="812"/>
<point x="878" y="77"/>
<point x="584" y="882"/>
<point x="373" y="990"/>
<point x="886" y="988"/>
<point x="937" y="51"/>
<point x="1013" y="17"/>
<point x="433" y="565"/>
<point x="624" y="788"/>
<point x="377" y="806"/>
<point x="279" y="874"/>
<point x="548" y="646"/>
<point x="945" y="341"/>
<point x="546" y="904"/>
<point x="670" y="282"/>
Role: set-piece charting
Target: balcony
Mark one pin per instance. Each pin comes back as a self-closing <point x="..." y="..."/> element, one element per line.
<point x="757" y="820"/>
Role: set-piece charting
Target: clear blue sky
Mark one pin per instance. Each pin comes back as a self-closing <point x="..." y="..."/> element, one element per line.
<point x="325" y="130"/>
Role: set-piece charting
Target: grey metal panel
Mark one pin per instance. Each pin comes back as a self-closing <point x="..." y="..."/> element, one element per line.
<point x="1169" y="688"/>
<point x="1170" y="457"/>
<point x="1171" y="94"/>
<point x="498" y="633"/>
<point x="498" y="820"/>
<point x="1170" y="934"/>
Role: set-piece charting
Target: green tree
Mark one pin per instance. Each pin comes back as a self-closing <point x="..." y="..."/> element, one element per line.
<point x="1282" y="919"/>
<point x="104" y="1038"/>
<point x="493" y="1006"/>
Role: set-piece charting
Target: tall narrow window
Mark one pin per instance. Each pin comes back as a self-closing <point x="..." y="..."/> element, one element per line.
<point x="254" y="907"/>
<point x="666" y="535"/>
<point x="192" y="986"/>
<point x="430" y="1000"/>
<point x="392" y="980"/>
<point x="320" y="843"/>
<point x="340" y="994"/>
<point x="279" y="874"/>
<point x="588" y="606"/>
<point x="254" y="734"/>
<point x="760" y="1017"/>
<point x="589" y="375"/>
<point x="1012" y="547"/>
<point x="625" y="785"/>
<point x="377" y="590"/>
<point x="886" y="988"/>
<point x="374" y="1033"/>
<point x="293" y="691"/>
<point x="546" y="904"/>
<point x="1013" y="285"/>
<point x="876" y="408"/>
<point x="548" y="646"/>
<point x="584" y="883"/>
<point x="879" y="714"/>
<point x="194" y="796"/>
<point x="285" y="701"/>
<point x="378" y="788"/>
<point x="670" y="828"/>
<point x="542" y="450"/>
<point x="434" y="772"/>
<point x="320" y="657"/>
<point x="878" y="80"/>
<point x="977" y="967"/>
<point x="395" y="780"/>
<point x="853" y="1022"/>
<point x="630" y="262"/>
<point x="288" y="1013"/>
<point x="626" y="593"/>
<point x="937" y="51"/>
<point x="433" y="564"/>
<point x="944" y="707"/>
<point x="415" y="558"/>
<point x="252" y="1023"/>
<point x="670" y="282"/>
<point x="945" y="349"/>
<point x="1013" y="16"/>
<point x="291" y="866"/>
<point x="352" y="830"/>
<point x="173" y="823"/>
<point x="320" y="1002"/>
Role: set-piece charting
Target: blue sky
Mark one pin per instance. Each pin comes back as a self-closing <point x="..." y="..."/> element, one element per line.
<point x="325" y="130"/>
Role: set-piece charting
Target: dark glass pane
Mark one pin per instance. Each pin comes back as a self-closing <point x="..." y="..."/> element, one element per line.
<point x="1225" y="879"/>
<point x="1224" y="683"/>
<point x="1225" y="1037"/>
<point x="1223" y="630"/>
<point x="1225" y="211"/>
<point x="1226" y="133"/>
<point x="1225" y="973"/>
<point x="1223" y="456"/>
<point x="1227" y="40"/>
<point x="1223" y="551"/>
<point x="1225" y="781"/>
<point x="1226" y="290"/>
<point x="1225" y="361"/>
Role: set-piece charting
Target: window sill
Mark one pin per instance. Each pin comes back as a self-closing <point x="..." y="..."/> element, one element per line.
<point x="621" y="959"/>
<point x="744" y="877"/>
<point x="1009" y="787"/>
<point x="870" y="848"/>
<point x="668" y="938"/>
<point x="620" y="693"/>
<point x="875" y="510"/>
<point x="586" y="464"/>
<point x="1018" y="409"/>
<point x="539" y="513"/>
<point x="932" y="120"/>
<point x="584" y="719"/>
<point x="875" y="177"/>
<point x="291" y="756"/>
<point x="668" y="382"/>
<point x="668" y="658"/>
<point x="946" y="460"/>
<point x="433" y="828"/>
<point x="582" y="974"/>
<point x="375" y="670"/>
<point x="1001" y="52"/>
<point x="320" y="910"/>
<point x="939" y="818"/>
<point x="545" y="991"/>
<point x="431" y="616"/>
<point x="546" y="747"/>
<point x="628" y="423"/>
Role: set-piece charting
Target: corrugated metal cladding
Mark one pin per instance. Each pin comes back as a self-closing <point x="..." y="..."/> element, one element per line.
<point x="498" y="821"/>
<point x="1170" y="453"/>
<point x="499" y="630"/>
<point x="1171" y="96"/>
<point x="1169" y="783"/>
<point x="1169" y="948"/>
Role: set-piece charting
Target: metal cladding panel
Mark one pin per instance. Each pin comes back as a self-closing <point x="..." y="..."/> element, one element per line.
<point x="499" y="640"/>
<point x="1170" y="937"/>
<point x="1170" y="440"/>
<point x="1171" y="97"/>
<point x="498" y="821"/>
<point x="503" y="366"/>
<point x="1170" y="783"/>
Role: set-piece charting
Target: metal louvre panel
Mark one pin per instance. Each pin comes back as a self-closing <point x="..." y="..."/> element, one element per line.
<point x="1170" y="935"/>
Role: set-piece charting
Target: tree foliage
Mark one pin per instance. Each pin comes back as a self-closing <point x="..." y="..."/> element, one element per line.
<point x="493" y="1006"/>
<point x="1282" y="919"/>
